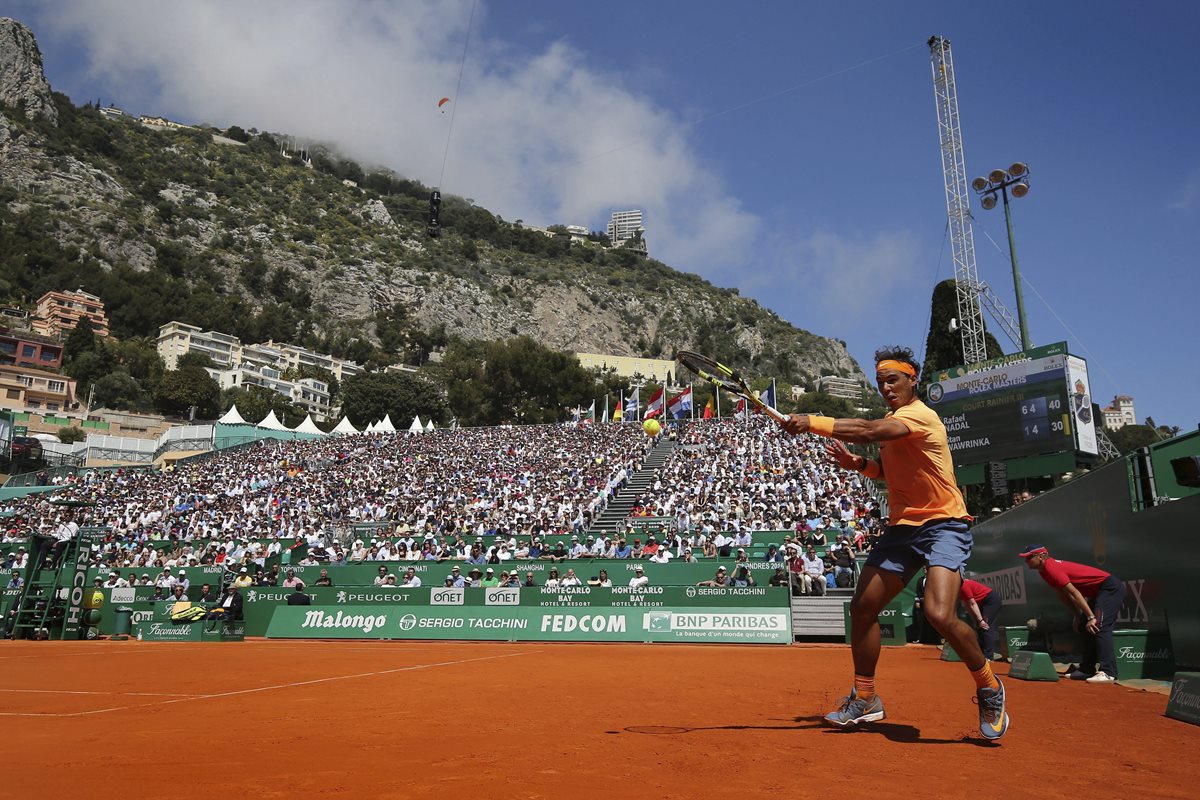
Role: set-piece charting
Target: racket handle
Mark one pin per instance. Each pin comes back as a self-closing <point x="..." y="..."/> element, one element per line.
<point x="773" y="414"/>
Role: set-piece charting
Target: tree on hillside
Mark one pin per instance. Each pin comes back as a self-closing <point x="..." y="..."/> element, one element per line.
<point x="194" y="358"/>
<point x="180" y="389"/>
<point x="81" y="339"/>
<point x="370" y="396"/>
<point x="1131" y="437"/>
<point x="943" y="347"/>
<point x="516" y="381"/>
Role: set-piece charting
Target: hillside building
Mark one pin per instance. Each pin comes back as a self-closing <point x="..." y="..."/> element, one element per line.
<point x="239" y="365"/>
<point x="623" y="226"/>
<point x="58" y="313"/>
<point x="29" y="350"/>
<point x="27" y="389"/>
<point x="1120" y="413"/>
<point x="658" y="370"/>
<point x="837" y="386"/>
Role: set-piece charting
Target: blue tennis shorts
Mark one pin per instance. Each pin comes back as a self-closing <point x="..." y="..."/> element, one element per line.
<point x="904" y="549"/>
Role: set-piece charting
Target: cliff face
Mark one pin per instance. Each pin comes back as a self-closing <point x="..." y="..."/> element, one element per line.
<point x="147" y="214"/>
<point x="23" y="83"/>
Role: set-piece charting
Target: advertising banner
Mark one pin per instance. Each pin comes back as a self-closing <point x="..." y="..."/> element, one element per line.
<point x="1080" y="391"/>
<point x="703" y="624"/>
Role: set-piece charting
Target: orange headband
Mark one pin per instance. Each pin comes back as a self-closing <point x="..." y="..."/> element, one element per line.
<point x="899" y="366"/>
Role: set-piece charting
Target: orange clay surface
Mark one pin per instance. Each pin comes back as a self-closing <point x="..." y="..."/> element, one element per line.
<point x="294" y="719"/>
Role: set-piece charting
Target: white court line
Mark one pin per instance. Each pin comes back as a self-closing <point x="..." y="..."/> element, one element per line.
<point x="75" y="691"/>
<point x="267" y="688"/>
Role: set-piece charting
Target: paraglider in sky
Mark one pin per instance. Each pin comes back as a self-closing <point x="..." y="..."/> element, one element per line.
<point x="442" y="104"/>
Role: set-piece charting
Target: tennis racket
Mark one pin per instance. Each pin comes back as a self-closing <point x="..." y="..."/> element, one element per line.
<point x="724" y="377"/>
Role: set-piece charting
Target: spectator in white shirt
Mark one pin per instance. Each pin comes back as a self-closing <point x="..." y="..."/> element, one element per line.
<point x="639" y="579"/>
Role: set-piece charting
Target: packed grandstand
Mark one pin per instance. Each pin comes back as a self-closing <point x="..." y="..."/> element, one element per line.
<point x="472" y="496"/>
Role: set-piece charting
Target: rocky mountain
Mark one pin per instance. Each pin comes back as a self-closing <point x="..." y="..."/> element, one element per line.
<point x="230" y="231"/>
<point x="23" y="83"/>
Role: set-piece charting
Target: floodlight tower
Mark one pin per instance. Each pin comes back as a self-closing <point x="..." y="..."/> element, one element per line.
<point x="958" y="202"/>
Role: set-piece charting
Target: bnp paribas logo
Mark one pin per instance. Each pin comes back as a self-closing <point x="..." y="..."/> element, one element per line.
<point x="657" y="621"/>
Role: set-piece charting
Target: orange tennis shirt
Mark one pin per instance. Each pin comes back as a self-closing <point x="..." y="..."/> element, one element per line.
<point x="918" y="470"/>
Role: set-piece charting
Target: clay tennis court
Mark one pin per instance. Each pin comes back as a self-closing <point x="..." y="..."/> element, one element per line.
<point x="389" y="719"/>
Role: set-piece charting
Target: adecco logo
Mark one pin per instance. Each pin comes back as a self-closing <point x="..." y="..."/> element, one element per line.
<point x="122" y="595"/>
<point x="447" y="597"/>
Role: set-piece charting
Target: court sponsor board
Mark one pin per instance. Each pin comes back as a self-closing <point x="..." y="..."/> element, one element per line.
<point x="595" y="624"/>
<point x="1184" y="703"/>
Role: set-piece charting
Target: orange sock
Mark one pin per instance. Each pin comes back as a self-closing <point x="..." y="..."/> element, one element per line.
<point x="984" y="679"/>
<point x="864" y="686"/>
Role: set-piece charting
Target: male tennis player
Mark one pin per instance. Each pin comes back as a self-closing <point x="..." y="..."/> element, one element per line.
<point x="928" y="526"/>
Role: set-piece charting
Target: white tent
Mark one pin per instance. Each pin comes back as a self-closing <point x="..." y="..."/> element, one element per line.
<point x="232" y="417"/>
<point x="345" y="427"/>
<point x="371" y="428"/>
<point x="416" y="426"/>
<point x="429" y="426"/>
<point x="308" y="426"/>
<point x="272" y="423"/>
<point x="386" y="425"/>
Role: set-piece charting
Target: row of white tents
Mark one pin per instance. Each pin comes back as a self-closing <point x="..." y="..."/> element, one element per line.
<point x="272" y="423"/>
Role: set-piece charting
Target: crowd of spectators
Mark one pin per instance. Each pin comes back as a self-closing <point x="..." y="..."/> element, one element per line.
<point x="477" y="497"/>
<point x="444" y="486"/>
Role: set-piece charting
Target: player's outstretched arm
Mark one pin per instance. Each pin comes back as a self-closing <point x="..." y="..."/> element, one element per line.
<point x="856" y="431"/>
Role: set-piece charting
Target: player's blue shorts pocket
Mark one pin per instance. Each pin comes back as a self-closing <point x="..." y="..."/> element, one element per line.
<point x="904" y="549"/>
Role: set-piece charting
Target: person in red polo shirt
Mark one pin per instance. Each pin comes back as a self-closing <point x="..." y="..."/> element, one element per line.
<point x="1093" y="594"/>
<point x="983" y="604"/>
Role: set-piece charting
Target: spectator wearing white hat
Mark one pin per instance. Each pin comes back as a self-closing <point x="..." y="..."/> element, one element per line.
<point x="182" y="580"/>
<point x="639" y="579"/>
<point x="243" y="579"/>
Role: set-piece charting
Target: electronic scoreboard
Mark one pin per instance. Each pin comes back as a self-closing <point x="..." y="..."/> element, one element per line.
<point x="1030" y="403"/>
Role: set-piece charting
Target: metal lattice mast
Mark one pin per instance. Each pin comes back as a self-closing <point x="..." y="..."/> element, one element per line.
<point x="958" y="205"/>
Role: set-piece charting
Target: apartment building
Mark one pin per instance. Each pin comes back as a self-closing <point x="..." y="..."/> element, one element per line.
<point x="29" y="350"/>
<point x="27" y="389"/>
<point x="837" y="386"/>
<point x="264" y="364"/>
<point x="58" y="313"/>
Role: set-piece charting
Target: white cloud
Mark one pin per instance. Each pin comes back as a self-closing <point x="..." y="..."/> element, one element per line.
<point x="838" y="280"/>
<point x="543" y="136"/>
<point x="1188" y="194"/>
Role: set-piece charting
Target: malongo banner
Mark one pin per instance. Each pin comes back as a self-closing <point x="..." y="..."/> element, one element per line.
<point x="498" y="623"/>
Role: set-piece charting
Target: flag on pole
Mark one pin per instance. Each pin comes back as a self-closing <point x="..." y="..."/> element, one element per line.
<point x="590" y="416"/>
<point x="709" y="410"/>
<point x="605" y="409"/>
<point x="681" y="405"/>
<point x="655" y="406"/>
<point x="741" y="408"/>
<point x="768" y="397"/>
<point x="617" y="412"/>
<point x="632" y="405"/>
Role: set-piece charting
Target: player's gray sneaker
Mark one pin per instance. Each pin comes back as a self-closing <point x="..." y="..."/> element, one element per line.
<point x="855" y="711"/>
<point x="993" y="719"/>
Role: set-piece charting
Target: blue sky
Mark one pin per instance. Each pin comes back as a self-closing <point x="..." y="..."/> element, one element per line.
<point x="787" y="149"/>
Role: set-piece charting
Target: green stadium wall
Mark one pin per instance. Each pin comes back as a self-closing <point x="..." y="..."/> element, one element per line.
<point x="1092" y="520"/>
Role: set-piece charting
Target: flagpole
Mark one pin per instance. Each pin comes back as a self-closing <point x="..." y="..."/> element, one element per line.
<point x="717" y="392"/>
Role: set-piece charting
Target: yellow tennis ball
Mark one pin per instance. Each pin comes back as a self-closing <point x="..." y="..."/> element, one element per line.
<point x="651" y="427"/>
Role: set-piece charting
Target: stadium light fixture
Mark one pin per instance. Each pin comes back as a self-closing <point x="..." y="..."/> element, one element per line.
<point x="997" y="183"/>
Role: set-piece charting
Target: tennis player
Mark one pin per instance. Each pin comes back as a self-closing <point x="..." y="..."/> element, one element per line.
<point x="928" y="526"/>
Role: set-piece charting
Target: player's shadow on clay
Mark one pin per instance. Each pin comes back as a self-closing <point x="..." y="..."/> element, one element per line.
<point x="892" y="731"/>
